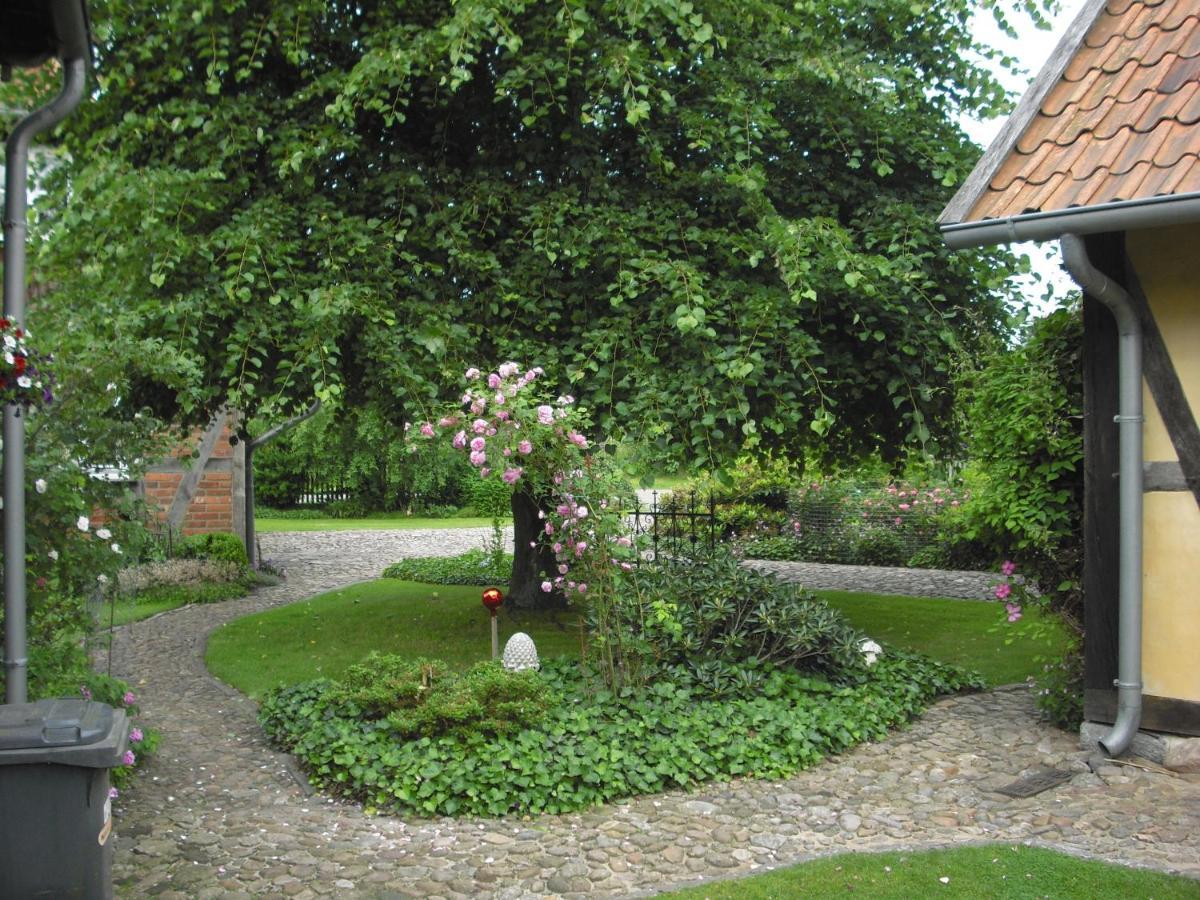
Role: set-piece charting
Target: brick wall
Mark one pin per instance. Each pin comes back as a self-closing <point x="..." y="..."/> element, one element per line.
<point x="212" y="505"/>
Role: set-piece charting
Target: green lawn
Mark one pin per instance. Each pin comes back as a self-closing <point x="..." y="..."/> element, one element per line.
<point x="963" y="632"/>
<point x="994" y="871"/>
<point x="402" y="523"/>
<point x="324" y="635"/>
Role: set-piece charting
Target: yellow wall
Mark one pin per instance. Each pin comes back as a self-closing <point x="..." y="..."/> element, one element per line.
<point x="1165" y="260"/>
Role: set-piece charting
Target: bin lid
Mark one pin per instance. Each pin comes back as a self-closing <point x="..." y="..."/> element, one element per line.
<point x="64" y="722"/>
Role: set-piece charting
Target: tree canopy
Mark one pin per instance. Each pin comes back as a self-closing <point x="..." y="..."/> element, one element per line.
<point x="712" y="221"/>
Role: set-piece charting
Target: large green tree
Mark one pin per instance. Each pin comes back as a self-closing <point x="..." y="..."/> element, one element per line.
<point x="712" y="221"/>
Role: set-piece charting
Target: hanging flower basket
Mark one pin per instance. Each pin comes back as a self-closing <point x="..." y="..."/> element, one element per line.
<point x="23" y="377"/>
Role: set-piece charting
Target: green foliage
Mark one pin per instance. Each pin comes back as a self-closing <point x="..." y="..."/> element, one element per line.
<point x="472" y="567"/>
<point x="713" y="612"/>
<point x="596" y="745"/>
<point x="487" y="496"/>
<point x="298" y="200"/>
<point x="1060" y="689"/>
<point x="350" y="508"/>
<point x="1025" y="424"/>
<point x="218" y="545"/>
<point x="423" y="698"/>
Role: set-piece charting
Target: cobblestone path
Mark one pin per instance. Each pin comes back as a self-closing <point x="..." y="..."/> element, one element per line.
<point x="219" y="814"/>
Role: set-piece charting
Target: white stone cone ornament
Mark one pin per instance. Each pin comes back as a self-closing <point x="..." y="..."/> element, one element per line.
<point x="520" y="654"/>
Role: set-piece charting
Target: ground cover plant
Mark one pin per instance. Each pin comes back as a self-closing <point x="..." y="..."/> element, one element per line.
<point x="966" y="873"/>
<point x="473" y="567"/>
<point x="594" y="745"/>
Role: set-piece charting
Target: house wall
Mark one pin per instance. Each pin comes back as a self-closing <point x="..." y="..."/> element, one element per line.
<point x="1165" y="262"/>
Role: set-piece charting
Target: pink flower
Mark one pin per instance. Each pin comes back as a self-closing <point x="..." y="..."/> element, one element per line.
<point x="478" y="458"/>
<point x="499" y="399"/>
<point x="547" y="586"/>
<point x="113" y="793"/>
<point x="472" y="374"/>
<point x="549" y="528"/>
<point x="577" y="439"/>
<point x="485" y="472"/>
<point x="426" y="429"/>
<point x="477" y="444"/>
<point x="524" y="447"/>
<point x="563" y="569"/>
<point x="904" y="506"/>
<point x="129" y="699"/>
<point x="502" y="415"/>
<point x="460" y="440"/>
<point x="1014" y="611"/>
<point x="583" y="587"/>
<point x="512" y="475"/>
<point x="581" y="512"/>
<point x="566" y="400"/>
<point x="1008" y="567"/>
<point x="478" y="406"/>
<point x="479" y="426"/>
<point x="128" y="759"/>
<point x="135" y="735"/>
<point x="85" y="692"/>
<point x="1002" y="591"/>
<point x="448" y="421"/>
<point x="506" y="452"/>
<point x="509" y="369"/>
<point x="898" y="520"/>
<point x="557" y="548"/>
<point x="545" y="415"/>
<point x="493" y="381"/>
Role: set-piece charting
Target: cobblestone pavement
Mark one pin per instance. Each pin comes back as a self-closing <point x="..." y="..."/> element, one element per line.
<point x="219" y="814"/>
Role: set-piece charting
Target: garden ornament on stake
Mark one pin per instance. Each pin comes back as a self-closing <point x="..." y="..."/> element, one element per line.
<point x="493" y="600"/>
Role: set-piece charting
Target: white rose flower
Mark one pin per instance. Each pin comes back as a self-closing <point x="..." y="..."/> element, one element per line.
<point x="116" y="548"/>
<point x="82" y="523"/>
<point x="53" y="554"/>
<point x="40" y="485"/>
<point x="103" y="533"/>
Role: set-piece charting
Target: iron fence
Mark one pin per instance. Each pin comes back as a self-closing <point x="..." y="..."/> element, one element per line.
<point x="684" y="526"/>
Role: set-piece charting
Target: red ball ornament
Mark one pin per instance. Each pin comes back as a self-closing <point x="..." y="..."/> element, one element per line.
<point x="492" y="599"/>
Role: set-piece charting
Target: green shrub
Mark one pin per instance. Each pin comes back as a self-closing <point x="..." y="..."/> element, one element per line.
<point x="350" y="508"/>
<point x="489" y="496"/>
<point x="596" y="745"/>
<point x="267" y="512"/>
<point x="218" y="545"/>
<point x="423" y="698"/>
<point x="712" y="609"/>
<point x="472" y="567"/>
<point x="880" y="546"/>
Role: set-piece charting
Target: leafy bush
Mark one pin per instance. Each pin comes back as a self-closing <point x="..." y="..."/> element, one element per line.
<point x="1060" y="689"/>
<point x="419" y="697"/>
<point x="472" y="567"/>
<point x="714" y="610"/>
<point x="267" y="512"/>
<point x="176" y="572"/>
<point x="599" y="745"/>
<point x="488" y="496"/>
<point x="216" y="545"/>
<point x="350" y="508"/>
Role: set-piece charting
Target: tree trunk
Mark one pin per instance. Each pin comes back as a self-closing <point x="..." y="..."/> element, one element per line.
<point x="531" y="565"/>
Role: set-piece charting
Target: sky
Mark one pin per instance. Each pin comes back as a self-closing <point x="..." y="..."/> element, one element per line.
<point x="1033" y="47"/>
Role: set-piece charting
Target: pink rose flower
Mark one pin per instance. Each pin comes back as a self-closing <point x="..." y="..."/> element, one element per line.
<point x="524" y="447"/>
<point x="1008" y="567"/>
<point x="477" y="444"/>
<point x="460" y="440"/>
<point x="511" y="476"/>
<point x="545" y="415"/>
<point x="477" y="458"/>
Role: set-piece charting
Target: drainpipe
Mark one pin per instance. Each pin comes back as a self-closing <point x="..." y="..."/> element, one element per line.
<point x="16" y="174"/>
<point x="1129" y="419"/>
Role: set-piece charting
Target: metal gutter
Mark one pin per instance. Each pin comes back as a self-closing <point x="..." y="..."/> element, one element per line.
<point x="1129" y="420"/>
<point x="16" y="197"/>
<point x="1120" y="215"/>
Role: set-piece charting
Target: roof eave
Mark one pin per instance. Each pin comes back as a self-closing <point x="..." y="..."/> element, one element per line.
<point x="1121" y="215"/>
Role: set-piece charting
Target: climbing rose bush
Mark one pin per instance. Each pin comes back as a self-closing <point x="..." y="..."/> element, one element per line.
<point x="514" y="429"/>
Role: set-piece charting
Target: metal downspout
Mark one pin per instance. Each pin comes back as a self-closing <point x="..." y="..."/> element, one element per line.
<point x="1129" y="376"/>
<point x="16" y="161"/>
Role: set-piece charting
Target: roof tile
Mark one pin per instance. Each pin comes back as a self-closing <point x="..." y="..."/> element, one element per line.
<point x="1122" y="122"/>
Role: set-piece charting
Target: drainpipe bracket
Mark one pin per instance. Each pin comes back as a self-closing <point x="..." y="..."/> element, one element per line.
<point x="1120" y="419"/>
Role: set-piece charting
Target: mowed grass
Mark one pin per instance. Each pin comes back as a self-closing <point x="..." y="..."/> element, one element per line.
<point x="397" y="523"/>
<point x="325" y="635"/>
<point x="967" y="633"/>
<point x="967" y="873"/>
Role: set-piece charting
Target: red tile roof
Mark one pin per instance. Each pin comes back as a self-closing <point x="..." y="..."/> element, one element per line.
<point x="1120" y="121"/>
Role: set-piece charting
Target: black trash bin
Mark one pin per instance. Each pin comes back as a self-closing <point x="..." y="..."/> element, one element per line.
<point x="55" y="812"/>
